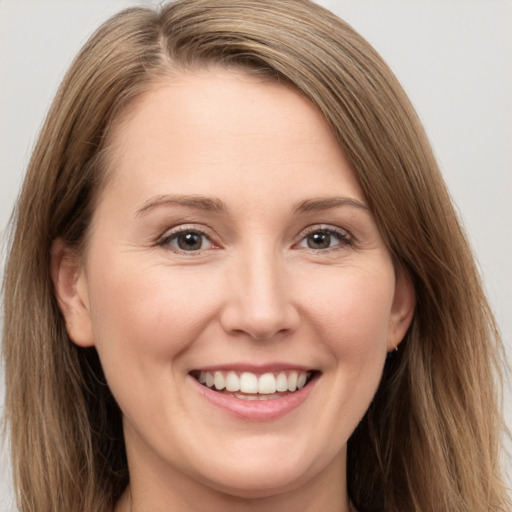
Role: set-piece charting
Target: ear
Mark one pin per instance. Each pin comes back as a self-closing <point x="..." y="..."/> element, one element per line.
<point x="70" y="285"/>
<point x="402" y="310"/>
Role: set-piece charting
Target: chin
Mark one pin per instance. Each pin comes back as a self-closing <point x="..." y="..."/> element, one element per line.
<point x="257" y="484"/>
<point x="261" y="477"/>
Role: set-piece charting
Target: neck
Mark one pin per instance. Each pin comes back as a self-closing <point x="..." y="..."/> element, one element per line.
<point x="326" y="491"/>
<point x="128" y="504"/>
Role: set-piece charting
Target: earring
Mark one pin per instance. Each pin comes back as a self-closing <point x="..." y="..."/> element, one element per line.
<point x="392" y="352"/>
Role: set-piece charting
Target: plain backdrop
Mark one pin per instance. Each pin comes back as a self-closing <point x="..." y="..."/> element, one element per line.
<point x="453" y="57"/>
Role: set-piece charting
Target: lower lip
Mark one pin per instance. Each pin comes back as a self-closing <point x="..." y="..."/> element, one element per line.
<point x="256" y="410"/>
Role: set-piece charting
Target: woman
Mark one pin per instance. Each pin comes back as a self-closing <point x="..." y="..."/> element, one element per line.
<point x="242" y="282"/>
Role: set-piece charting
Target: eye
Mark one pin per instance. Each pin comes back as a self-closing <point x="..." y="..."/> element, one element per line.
<point x="325" y="238"/>
<point x="186" y="239"/>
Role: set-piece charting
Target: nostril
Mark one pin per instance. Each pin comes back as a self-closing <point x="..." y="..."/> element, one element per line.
<point x="260" y="303"/>
<point x="259" y="324"/>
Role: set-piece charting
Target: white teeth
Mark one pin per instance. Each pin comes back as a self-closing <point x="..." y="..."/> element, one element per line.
<point x="232" y="382"/>
<point x="259" y="398"/>
<point x="248" y="397"/>
<point x="282" y="382"/>
<point x="219" y="381"/>
<point x="209" y="379"/>
<point x="267" y="384"/>
<point x="292" y="381"/>
<point x="250" y="383"/>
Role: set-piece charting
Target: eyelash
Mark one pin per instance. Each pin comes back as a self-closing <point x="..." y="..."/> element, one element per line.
<point x="343" y="238"/>
<point x="174" y="234"/>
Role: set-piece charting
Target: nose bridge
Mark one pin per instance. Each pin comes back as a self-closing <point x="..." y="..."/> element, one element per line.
<point x="259" y="303"/>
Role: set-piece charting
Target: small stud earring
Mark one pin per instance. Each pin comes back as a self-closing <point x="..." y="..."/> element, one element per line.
<point x="391" y="352"/>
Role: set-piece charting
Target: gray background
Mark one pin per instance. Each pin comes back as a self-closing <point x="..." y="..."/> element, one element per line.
<point x="454" y="58"/>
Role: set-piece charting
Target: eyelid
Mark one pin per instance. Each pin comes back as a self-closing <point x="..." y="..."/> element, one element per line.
<point x="344" y="236"/>
<point x="200" y="229"/>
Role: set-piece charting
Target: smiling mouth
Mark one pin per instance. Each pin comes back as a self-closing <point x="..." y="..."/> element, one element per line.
<point x="250" y="386"/>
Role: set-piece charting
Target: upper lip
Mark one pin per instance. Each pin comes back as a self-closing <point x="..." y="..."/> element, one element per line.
<point x="253" y="368"/>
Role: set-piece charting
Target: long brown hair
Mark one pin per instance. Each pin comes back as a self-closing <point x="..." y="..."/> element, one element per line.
<point x="430" y="440"/>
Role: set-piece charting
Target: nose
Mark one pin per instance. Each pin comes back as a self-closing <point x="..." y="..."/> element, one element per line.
<point x="259" y="302"/>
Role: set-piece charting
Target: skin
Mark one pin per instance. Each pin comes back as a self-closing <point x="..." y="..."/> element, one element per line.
<point x="259" y="291"/>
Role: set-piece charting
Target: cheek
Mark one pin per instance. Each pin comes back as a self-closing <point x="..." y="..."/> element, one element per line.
<point x="352" y="316"/>
<point x="353" y="311"/>
<point x="143" y="322"/>
<point x="153" y="311"/>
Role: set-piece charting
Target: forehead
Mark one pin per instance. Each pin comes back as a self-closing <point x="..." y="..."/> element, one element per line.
<point x="218" y="130"/>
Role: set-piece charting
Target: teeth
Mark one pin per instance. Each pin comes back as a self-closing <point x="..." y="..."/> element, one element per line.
<point x="292" y="381"/>
<point x="248" y="382"/>
<point x="260" y="398"/>
<point x="267" y="384"/>
<point x="282" y="382"/>
<point x="210" y="380"/>
<point x="301" y="380"/>
<point x="232" y="382"/>
<point x="219" y="381"/>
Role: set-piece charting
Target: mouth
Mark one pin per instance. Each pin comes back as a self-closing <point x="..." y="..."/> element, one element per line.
<point x="252" y="386"/>
<point x="256" y="394"/>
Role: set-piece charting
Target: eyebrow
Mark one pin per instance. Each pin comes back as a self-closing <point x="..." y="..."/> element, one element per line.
<point x="328" y="203"/>
<point x="215" y="205"/>
<point x="190" y="201"/>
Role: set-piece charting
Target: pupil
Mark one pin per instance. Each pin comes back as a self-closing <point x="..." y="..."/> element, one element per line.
<point x="319" y="241"/>
<point x="190" y="242"/>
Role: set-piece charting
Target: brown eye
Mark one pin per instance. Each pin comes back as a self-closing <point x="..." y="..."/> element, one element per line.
<point x="325" y="238"/>
<point x="188" y="240"/>
<point x="319" y="240"/>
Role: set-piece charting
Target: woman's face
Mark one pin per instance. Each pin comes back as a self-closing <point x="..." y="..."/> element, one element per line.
<point x="233" y="246"/>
